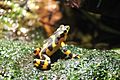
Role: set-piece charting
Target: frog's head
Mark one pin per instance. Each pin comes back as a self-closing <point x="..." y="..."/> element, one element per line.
<point x="62" y="32"/>
<point x="63" y="29"/>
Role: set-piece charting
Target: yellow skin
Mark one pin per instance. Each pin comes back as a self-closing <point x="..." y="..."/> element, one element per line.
<point x="51" y="45"/>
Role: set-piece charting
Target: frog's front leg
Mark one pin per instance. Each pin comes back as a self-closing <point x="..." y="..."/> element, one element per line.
<point x="42" y="64"/>
<point x="68" y="52"/>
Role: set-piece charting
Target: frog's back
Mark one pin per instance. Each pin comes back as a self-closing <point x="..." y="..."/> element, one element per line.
<point x="50" y="47"/>
<point x="53" y="43"/>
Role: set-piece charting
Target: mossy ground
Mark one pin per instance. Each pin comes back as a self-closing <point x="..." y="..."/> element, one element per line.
<point x="16" y="64"/>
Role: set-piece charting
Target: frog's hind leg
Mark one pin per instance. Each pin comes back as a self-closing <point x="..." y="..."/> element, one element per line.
<point x="36" y="53"/>
<point x="67" y="53"/>
<point x="42" y="64"/>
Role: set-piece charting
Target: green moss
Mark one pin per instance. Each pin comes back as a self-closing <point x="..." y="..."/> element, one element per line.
<point x="16" y="63"/>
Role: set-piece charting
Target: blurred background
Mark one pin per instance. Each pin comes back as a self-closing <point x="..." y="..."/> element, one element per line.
<point x="94" y="23"/>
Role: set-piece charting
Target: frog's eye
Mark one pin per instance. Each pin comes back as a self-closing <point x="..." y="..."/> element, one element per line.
<point x="61" y="26"/>
<point x="67" y="27"/>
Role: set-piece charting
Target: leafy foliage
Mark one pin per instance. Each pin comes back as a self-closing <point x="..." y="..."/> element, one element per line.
<point x="16" y="63"/>
<point x="17" y="19"/>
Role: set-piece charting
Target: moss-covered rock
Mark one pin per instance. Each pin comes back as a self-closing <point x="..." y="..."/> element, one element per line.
<point x="16" y="63"/>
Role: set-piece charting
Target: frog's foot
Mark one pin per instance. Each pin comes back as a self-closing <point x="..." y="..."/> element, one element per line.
<point x="76" y="56"/>
<point x="36" y="53"/>
<point x="67" y="53"/>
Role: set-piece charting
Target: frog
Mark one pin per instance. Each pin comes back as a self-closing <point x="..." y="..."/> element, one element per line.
<point x="42" y="56"/>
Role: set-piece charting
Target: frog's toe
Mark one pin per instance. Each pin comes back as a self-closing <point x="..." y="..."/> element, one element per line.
<point x="76" y="57"/>
<point x="37" y="51"/>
